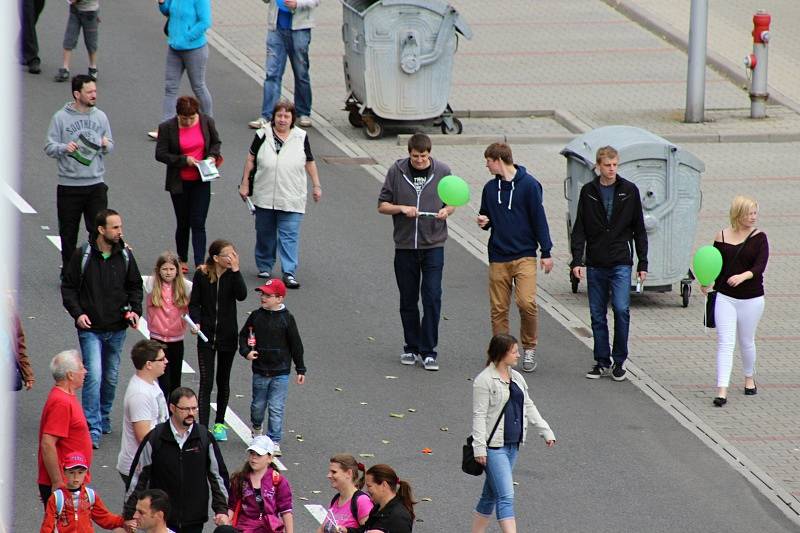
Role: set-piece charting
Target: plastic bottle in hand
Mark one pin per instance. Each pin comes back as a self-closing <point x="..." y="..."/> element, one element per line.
<point x="251" y="338"/>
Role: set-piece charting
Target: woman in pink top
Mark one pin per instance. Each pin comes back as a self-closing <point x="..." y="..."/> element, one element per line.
<point x="350" y="507"/>
<point x="168" y="294"/>
<point x="184" y="140"/>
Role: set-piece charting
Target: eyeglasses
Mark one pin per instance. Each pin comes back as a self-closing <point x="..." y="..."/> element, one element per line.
<point x="187" y="409"/>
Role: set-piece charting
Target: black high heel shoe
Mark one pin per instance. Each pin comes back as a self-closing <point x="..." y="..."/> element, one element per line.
<point x="751" y="392"/>
<point x="720" y="401"/>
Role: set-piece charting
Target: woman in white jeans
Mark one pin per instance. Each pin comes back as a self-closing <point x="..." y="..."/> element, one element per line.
<point x="740" y="294"/>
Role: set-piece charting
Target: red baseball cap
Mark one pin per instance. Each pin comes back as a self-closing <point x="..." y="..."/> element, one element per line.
<point x="273" y="286"/>
<point x="75" y="460"/>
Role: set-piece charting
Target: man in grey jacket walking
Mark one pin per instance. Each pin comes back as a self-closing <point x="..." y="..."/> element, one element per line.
<point x="410" y="195"/>
<point x="79" y="137"/>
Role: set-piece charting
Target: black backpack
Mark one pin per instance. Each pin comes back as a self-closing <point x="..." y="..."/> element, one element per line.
<point x="353" y="509"/>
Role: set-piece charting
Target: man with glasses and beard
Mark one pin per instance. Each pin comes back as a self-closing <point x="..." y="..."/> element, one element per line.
<point x="181" y="458"/>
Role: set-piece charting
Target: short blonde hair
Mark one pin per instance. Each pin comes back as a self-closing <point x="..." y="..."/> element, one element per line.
<point x="740" y="208"/>
<point x="606" y="152"/>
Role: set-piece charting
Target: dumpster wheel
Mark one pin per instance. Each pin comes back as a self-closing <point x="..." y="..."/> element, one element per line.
<point x="457" y="128"/>
<point x="355" y="118"/>
<point x="373" y="129"/>
<point x="686" y="292"/>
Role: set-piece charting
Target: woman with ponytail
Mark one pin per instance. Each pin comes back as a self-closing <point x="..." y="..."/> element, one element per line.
<point x="350" y="508"/>
<point x="394" y="504"/>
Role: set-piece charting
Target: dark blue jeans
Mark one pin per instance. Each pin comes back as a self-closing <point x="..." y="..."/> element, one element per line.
<point x="420" y="272"/>
<point x="613" y="282"/>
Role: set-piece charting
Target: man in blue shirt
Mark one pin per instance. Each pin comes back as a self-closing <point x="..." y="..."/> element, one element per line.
<point x="288" y="35"/>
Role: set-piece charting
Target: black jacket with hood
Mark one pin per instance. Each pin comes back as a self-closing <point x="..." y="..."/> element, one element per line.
<point x="418" y="233"/>
<point x="103" y="288"/>
<point x="608" y="243"/>
<point x="212" y="306"/>
<point x="277" y="342"/>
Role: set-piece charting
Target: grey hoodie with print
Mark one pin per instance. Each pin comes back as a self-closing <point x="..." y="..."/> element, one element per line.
<point x="68" y="125"/>
<point x="418" y="233"/>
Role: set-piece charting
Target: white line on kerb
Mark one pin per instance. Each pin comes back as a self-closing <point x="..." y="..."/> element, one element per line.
<point x="18" y="201"/>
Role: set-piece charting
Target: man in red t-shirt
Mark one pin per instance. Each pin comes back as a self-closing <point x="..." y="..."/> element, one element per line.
<point x="63" y="428"/>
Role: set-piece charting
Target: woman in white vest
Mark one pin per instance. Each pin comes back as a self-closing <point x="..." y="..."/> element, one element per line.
<point x="275" y="178"/>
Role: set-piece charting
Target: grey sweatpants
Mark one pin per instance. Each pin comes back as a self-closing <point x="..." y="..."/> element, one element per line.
<point x="194" y="63"/>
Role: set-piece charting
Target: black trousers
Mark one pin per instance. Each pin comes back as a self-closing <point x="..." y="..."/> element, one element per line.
<point x="191" y="210"/>
<point x="29" y="11"/>
<point x="171" y="379"/>
<point x="206" y="357"/>
<point x="72" y="203"/>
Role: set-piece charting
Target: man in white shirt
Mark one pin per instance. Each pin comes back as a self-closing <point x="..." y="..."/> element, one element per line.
<point x="144" y="404"/>
<point x="151" y="511"/>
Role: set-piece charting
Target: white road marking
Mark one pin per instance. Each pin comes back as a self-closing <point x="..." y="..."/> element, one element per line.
<point x="186" y="369"/>
<point x="317" y="511"/>
<point x="18" y="201"/>
<point x="243" y="432"/>
<point x="56" y="240"/>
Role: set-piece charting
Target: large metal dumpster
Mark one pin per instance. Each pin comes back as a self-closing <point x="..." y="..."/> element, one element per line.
<point x="398" y="62"/>
<point x="668" y="179"/>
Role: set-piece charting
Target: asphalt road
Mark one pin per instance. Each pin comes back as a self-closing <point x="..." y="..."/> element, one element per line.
<point x="621" y="463"/>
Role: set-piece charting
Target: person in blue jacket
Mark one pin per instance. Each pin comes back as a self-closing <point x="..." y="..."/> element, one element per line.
<point x="511" y="208"/>
<point x="187" y="50"/>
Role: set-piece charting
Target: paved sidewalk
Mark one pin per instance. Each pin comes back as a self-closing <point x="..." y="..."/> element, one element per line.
<point x="599" y="67"/>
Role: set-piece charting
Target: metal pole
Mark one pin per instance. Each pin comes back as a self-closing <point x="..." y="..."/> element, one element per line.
<point x="696" y="75"/>
<point x="759" y="91"/>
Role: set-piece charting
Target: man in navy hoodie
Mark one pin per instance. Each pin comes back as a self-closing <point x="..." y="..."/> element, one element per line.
<point x="420" y="231"/>
<point x="608" y="220"/>
<point x="511" y="207"/>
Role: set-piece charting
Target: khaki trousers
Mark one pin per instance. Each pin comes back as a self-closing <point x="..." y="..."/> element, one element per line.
<point x="520" y="273"/>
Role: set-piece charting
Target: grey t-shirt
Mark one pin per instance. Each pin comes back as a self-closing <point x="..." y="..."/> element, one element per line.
<point x="607" y="195"/>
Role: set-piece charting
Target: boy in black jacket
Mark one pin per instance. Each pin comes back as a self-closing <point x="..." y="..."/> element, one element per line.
<point x="271" y="341"/>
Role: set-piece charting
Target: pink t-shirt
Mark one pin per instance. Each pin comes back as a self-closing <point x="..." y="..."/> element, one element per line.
<point x="192" y="144"/>
<point x="343" y="516"/>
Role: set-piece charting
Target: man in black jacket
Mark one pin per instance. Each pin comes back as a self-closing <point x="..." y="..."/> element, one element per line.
<point x="609" y="218"/>
<point x="181" y="458"/>
<point x="102" y="291"/>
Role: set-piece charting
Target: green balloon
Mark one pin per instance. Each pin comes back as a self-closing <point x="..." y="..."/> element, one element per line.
<point x="453" y="191"/>
<point x="707" y="265"/>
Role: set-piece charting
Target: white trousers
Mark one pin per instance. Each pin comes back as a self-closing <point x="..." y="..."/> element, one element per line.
<point x="736" y="319"/>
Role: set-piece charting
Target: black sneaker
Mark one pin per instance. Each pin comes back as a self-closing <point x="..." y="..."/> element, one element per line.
<point x="618" y="372"/>
<point x="290" y="281"/>
<point x="598" y="372"/>
<point x="93" y="72"/>
<point x="63" y="75"/>
<point x="35" y="66"/>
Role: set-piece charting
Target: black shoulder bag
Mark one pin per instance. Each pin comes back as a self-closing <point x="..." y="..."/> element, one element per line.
<point x="711" y="298"/>
<point x="468" y="463"/>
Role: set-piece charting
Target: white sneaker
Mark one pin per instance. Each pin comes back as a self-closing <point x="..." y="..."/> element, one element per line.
<point x="259" y="123"/>
<point x="256" y="431"/>
<point x="529" y="360"/>
<point x="430" y="364"/>
<point x="277" y="451"/>
<point x="304" y="122"/>
<point x="408" y="358"/>
<point x="153" y="134"/>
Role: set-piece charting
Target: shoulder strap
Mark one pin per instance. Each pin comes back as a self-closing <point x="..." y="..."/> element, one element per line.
<point x="741" y="246"/>
<point x="722" y="232"/>
<point x="87" y="251"/>
<point x="502" y="411"/>
<point x="91" y="496"/>
<point x="59" y="496"/>
<point x="354" y="504"/>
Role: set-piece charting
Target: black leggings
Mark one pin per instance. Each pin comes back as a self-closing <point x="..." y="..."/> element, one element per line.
<point x="171" y="379"/>
<point x="205" y="360"/>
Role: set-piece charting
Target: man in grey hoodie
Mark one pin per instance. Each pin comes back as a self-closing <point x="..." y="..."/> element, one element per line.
<point x="79" y="137"/>
<point x="410" y="195"/>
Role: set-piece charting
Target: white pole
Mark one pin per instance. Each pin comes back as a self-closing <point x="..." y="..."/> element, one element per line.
<point x="696" y="75"/>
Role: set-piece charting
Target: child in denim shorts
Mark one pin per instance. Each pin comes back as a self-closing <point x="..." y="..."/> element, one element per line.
<point x="82" y="14"/>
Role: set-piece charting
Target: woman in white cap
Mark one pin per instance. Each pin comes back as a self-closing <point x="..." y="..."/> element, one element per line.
<point x="260" y="499"/>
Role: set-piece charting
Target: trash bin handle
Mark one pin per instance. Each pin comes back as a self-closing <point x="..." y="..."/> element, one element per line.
<point x="566" y="195"/>
<point x="426" y="59"/>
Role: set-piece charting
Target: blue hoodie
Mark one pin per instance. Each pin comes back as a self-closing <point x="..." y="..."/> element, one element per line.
<point x="188" y="22"/>
<point x="516" y="217"/>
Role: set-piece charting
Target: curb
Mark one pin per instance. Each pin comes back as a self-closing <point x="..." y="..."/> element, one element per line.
<point x="680" y="40"/>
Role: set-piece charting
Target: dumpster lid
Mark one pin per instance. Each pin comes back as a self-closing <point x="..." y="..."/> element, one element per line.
<point x="436" y="6"/>
<point x="585" y="146"/>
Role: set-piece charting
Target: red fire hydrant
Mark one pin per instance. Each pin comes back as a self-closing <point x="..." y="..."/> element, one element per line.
<point x="757" y="64"/>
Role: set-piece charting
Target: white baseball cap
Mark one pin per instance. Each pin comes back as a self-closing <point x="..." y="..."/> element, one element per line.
<point x="262" y="445"/>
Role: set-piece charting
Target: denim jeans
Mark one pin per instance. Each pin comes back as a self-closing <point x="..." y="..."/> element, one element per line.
<point x="616" y="283"/>
<point x="101" y="351"/>
<point x="269" y="392"/>
<point x="283" y="42"/>
<point x="498" y="488"/>
<point x="410" y="268"/>
<point x="277" y="230"/>
<point x="194" y="63"/>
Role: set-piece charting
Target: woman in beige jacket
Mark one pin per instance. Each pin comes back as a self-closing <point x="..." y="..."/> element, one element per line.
<point x="500" y="398"/>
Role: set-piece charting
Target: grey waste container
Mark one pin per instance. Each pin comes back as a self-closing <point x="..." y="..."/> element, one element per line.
<point x="668" y="179"/>
<point x="398" y="62"/>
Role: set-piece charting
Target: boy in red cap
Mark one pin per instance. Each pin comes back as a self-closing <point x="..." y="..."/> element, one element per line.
<point x="270" y="340"/>
<point x="73" y="508"/>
